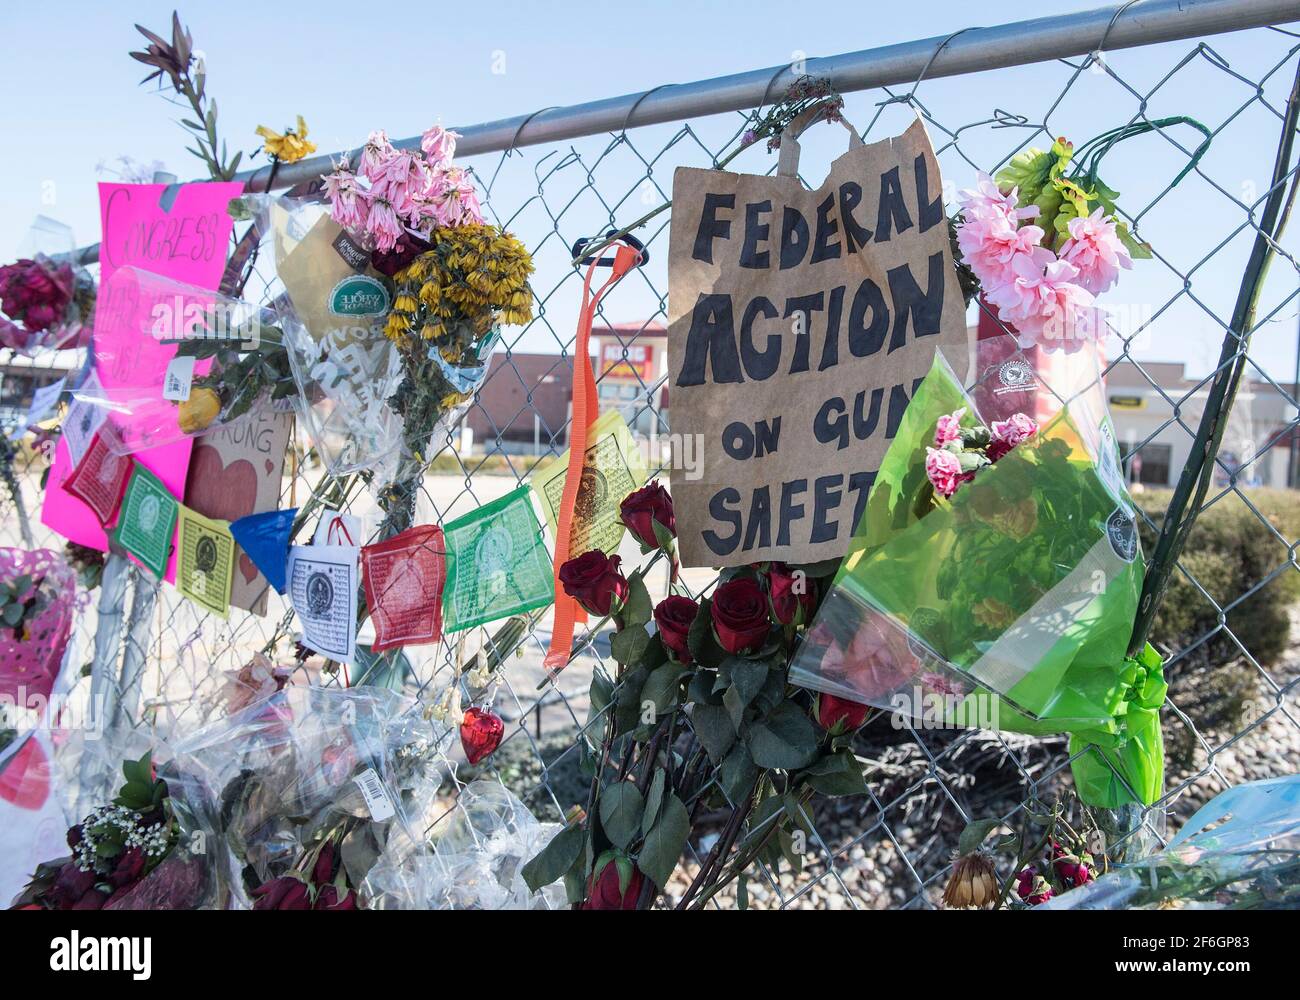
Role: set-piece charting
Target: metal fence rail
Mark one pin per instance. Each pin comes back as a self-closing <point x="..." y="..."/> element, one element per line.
<point x="560" y="174"/>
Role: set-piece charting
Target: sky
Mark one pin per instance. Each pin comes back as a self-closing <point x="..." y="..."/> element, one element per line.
<point x="75" y="105"/>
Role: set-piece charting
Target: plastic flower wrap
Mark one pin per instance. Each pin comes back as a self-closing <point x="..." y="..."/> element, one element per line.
<point x="135" y="852"/>
<point x="1240" y="851"/>
<point x="183" y="361"/>
<point x="38" y="594"/>
<point x="301" y="793"/>
<point x="474" y="860"/>
<point x="46" y="303"/>
<point x="993" y="583"/>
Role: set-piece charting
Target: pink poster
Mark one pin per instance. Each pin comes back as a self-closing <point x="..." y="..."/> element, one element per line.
<point x="188" y="243"/>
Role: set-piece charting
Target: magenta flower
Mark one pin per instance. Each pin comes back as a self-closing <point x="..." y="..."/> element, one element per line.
<point x="1095" y="249"/>
<point x="943" y="469"/>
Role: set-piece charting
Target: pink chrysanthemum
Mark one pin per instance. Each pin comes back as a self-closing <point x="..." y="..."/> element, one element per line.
<point x="1095" y="249"/>
<point x="439" y="145"/>
<point x="375" y="155"/>
<point x="1045" y="305"/>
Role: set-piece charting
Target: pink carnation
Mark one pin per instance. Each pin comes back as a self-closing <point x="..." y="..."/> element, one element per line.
<point x="1095" y="249"/>
<point x="948" y="429"/>
<point x="986" y="201"/>
<point x="990" y="236"/>
<point x="943" y="469"/>
<point x="1006" y="434"/>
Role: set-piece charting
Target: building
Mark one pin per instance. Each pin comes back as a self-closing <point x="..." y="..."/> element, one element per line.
<point x="1256" y="441"/>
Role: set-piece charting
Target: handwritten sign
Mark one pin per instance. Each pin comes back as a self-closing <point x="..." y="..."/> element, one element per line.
<point x="800" y="323"/>
<point x="188" y="241"/>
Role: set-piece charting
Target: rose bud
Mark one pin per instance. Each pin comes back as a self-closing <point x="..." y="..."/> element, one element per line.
<point x="792" y="597"/>
<point x="740" y="616"/>
<point x="322" y="872"/>
<point x="129" y="867"/>
<point x="328" y="899"/>
<point x="480" y="734"/>
<point x="593" y="580"/>
<point x="839" y="715"/>
<point x="1072" y="871"/>
<point x="641" y="510"/>
<point x="615" y="883"/>
<point x="284" y="893"/>
<point x="973" y="883"/>
<point x="1032" y="888"/>
<point x="71" y="884"/>
<point x="673" y="617"/>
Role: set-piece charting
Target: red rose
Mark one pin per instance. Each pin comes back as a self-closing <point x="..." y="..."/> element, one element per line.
<point x="791" y="592"/>
<point x="640" y="510"/>
<point x="328" y="899"/>
<point x="284" y="893"/>
<point x="673" y="616"/>
<point x="593" y="580"/>
<point x="740" y="617"/>
<point x="615" y="884"/>
<point x="480" y="734"/>
<point x="839" y="715"/>
<point x="323" y="871"/>
<point x="70" y="886"/>
<point x="129" y="867"/>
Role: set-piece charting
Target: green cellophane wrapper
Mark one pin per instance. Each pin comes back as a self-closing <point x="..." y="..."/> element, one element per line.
<point x="1009" y="606"/>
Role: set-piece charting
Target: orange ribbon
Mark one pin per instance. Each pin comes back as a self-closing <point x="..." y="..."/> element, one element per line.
<point x="586" y="409"/>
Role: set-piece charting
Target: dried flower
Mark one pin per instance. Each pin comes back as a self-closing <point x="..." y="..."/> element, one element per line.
<point x="973" y="883"/>
<point x="290" y="147"/>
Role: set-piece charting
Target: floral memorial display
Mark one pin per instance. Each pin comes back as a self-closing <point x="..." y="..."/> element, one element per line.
<point x="893" y="499"/>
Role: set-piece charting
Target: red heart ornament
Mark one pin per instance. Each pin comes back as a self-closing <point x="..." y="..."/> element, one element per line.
<point x="480" y="734"/>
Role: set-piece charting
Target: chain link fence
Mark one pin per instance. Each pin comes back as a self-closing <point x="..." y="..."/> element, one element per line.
<point x="893" y="847"/>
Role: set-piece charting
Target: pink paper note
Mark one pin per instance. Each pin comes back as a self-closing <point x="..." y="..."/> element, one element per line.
<point x="189" y="243"/>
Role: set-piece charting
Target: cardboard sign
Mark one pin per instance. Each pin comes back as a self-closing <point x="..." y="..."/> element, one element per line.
<point x="147" y="521"/>
<point x="237" y="470"/>
<point x="323" y="589"/>
<point x="611" y="469"/>
<point x="99" y="479"/>
<point x="800" y="323"/>
<point x="206" y="562"/>
<point x="186" y="238"/>
<point x="403" y="577"/>
<point x="496" y="563"/>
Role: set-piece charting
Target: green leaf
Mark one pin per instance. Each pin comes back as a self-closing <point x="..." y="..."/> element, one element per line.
<point x="747" y="679"/>
<point x="663" y="536"/>
<point x="786" y="738"/>
<point x="699" y="640"/>
<point x="661" y="687"/>
<point x="637" y="609"/>
<point x="700" y="690"/>
<point x="621" y="806"/>
<point x="665" y="842"/>
<point x="628" y="645"/>
<point x="627" y="708"/>
<point x="837" y="774"/>
<point x="654" y="800"/>
<point x="976" y="832"/>
<point x="555" y="859"/>
<point x="713" y="728"/>
<point x="737" y="773"/>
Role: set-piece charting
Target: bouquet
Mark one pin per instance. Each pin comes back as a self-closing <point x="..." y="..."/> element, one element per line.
<point x="129" y="855"/>
<point x="454" y="280"/>
<point x="45" y="305"/>
<point x="301" y="793"/>
<point x="38" y="594"/>
<point x="993" y="582"/>
<point x="700" y="715"/>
